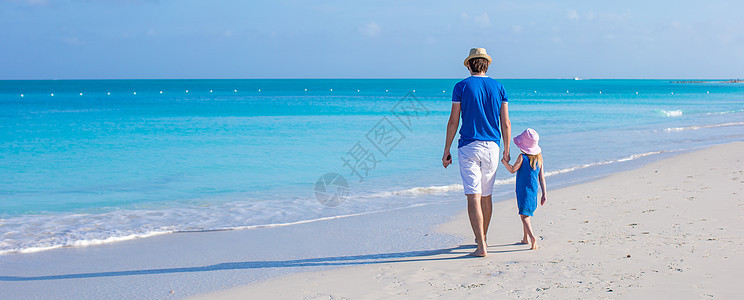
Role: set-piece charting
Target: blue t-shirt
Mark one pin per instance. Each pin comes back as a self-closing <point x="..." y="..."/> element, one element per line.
<point x="480" y="99"/>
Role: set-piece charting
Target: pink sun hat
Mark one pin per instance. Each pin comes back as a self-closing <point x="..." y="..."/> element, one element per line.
<point x="527" y="142"/>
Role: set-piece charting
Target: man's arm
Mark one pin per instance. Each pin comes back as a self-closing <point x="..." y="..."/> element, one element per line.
<point x="454" y="122"/>
<point x="506" y="129"/>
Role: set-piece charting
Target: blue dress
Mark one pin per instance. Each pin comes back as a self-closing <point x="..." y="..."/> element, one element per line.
<point x="526" y="187"/>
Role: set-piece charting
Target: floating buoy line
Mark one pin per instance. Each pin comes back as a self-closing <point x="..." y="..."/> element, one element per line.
<point x="22" y="95"/>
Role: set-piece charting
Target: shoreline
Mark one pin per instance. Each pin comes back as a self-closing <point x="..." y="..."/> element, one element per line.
<point x="586" y="173"/>
<point x="218" y="261"/>
<point x="661" y="240"/>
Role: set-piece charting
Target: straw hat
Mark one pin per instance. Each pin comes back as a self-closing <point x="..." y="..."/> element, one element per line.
<point x="527" y="142"/>
<point x="476" y="53"/>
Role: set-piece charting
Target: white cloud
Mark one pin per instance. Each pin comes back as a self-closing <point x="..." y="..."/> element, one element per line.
<point x="572" y="14"/>
<point x="465" y="16"/>
<point x="483" y="20"/>
<point x="590" y="16"/>
<point x="370" y="29"/>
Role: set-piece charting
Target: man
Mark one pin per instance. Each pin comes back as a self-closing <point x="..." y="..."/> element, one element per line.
<point x="482" y="103"/>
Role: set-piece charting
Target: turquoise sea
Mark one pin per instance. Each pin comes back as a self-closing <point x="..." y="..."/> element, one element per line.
<point x="97" y="161"/>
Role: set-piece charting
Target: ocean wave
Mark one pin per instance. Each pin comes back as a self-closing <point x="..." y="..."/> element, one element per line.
<point x="304" y="221"/>
<point x="76" y="236"/>
<point x="83" y="243"/>
<point x="725" y="112"/>
<point x="696" y="127"/>
<point x="624" y="159"/>
<point x="27" y="234"/>
<point x="670" y="113"/>
<point x="416" y="191"/>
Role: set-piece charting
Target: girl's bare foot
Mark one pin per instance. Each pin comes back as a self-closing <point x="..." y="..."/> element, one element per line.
<point x="523" y="242"/>
<point x="534" y="246"/>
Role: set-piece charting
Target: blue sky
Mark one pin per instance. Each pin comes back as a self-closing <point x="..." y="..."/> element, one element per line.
<point x="96" y="39"/>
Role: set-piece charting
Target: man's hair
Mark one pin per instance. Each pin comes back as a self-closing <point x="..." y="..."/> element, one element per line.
<point x="478" y="65"/>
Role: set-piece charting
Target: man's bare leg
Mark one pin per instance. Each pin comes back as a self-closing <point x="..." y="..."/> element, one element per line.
<point x="487" y="208"/>
<point x="475" y="212"/>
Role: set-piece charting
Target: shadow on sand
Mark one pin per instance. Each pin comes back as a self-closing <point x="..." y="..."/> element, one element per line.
<point x="426" y="255"/>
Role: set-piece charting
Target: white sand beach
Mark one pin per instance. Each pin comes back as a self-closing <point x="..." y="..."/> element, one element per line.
<point x="672" y="229"/>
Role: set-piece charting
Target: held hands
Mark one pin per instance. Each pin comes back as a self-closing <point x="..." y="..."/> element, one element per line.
<point x="506" y="155"/>
<point x="504" y="161"/>
<point x="446" y="159"/>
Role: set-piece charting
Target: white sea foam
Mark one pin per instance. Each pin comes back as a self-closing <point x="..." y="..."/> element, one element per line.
<point x="27" y="234"/>
<point x="726" y="112"/>
<point x="629" y="158"/>
<point x="419" y="191"/>
<point x="696" y="127"/>
<point x="305" y="221"/>
<point x="416" y="191"/>
<point x="671" y="113"/>
<point x="81" y="237"/>
<point x="83" y="243"/>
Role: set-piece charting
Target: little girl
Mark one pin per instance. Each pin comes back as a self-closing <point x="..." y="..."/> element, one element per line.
<point x="529" y="168"/>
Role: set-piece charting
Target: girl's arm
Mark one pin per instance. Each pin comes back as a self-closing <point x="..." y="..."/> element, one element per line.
<point x="543" y="187"/>
<point x="516" y="165"/>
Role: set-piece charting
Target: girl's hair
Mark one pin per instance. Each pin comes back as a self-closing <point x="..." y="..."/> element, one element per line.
<point x="535" y="160"/>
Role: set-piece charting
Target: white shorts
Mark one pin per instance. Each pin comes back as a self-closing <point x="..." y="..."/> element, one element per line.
<point x="478" y="161"/>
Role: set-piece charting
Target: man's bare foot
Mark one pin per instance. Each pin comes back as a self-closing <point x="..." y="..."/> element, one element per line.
<point x="534" y="246"/>
<point x="479" y="253"/>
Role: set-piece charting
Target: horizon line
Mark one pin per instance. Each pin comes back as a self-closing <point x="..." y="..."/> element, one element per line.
<point x="375" y="78"/>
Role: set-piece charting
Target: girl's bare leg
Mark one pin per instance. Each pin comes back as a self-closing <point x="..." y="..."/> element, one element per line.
<point x="528" y="230"/>
<point x="524" y="232"/>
